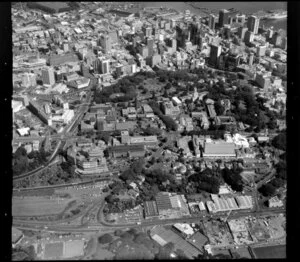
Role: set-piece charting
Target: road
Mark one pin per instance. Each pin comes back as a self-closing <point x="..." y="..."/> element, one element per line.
<point x="65" y="185"/>
<point x="103" y="225"/>
<point x="39" y="169"/>
<point x="68" y="129"/>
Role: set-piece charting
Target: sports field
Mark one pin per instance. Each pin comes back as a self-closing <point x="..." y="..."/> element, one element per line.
<point x="54" y="250"/>
<point x="73" y="248"/>
<point x="270" y="252"/>
<point x="38" y="206"/>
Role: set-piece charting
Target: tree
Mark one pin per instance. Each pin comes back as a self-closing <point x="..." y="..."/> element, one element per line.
<point x="152" y="131"/>
<point x="169" y="246"/>
<point x="118" y="232"/>
<point x="219" y="108"/>
<point x="277" y="182"/>
<point x="105" y="239"/>
<point x="168" y="86"/>
<point x="132" y="231"/>
<point x="128" y="174"/>
<point x="20" y="161"/>
<point x="109" y="199"/>
<point x="23" y="253"/>
<point x="137" y="166"/>
<point x="233" y="178"/>
<point x="127" y="236"/>
<point x="104" y="136"/>
<point x="169" y="122"/>
<point x="267" y="190"/>
<point x="279" y="141"/>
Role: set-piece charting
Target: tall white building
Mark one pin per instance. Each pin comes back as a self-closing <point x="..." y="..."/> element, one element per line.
<point x="105" y="66"/>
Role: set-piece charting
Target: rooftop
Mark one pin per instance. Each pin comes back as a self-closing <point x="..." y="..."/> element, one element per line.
<point x="219" y="148"/>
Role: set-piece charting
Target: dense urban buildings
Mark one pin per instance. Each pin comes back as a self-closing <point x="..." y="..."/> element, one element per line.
<point x="143" y="132"/>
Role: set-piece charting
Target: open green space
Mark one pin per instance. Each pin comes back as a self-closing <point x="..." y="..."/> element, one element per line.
<point x="55" y="5"/>
<point x="270" y="252"/>
<point x="37" y="206"/>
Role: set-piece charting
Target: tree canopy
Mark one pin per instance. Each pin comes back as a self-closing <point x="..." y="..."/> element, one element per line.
<point x="279" y="141"/>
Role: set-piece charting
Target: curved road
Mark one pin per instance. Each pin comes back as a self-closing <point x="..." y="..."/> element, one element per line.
<point x="96" y="228"/>
<point x="74" y="123"/>
<point x="33" y="172"/>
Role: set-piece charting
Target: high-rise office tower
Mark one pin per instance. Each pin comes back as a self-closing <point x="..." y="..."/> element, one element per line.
<point x="97" y="66"/>
<point x="182" y="35"/>
<point x="147" y="31"/>
<point x="226" y="31"/>
<point x="241" y="32"/>
<point x="276" y="39"/>
<point x="173" y="23"/>
<point x="212" y="21"/>
<point x="66" y="47"/>
<point x="193" y="29"/>
<point x="48" y="76"/>
<point x="105" y="43"/>
<point x="251" y="58"/>
<point x="253" y="24"/>
<point x="269" y="33"/>
<point x="249" y="36"/>
<point x="172" y="42"/>
<point x="284" y="43"/>
<point x="223" y="17"/>
<point x="215" y="52"/>
<point x="261" y="50"/>
<point x="105" y="66"/>
<point x="150" y="43"/>
<point x="232" y="61"/>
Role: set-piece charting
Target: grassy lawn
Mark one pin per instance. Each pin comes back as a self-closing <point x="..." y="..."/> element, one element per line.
<point x="36" y="206"/>
<point x="55" y="5"/>
<point x="270" y="252"/>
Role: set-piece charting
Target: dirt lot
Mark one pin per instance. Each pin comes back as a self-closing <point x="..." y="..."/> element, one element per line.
<point x="36" y="206"/>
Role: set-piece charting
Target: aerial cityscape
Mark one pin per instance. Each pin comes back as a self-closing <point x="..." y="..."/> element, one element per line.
<point x="149" y="130"/>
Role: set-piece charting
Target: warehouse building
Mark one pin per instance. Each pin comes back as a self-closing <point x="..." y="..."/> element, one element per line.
<point x="219" y="150"/>
<point x="150" y="208"/>
<point x="127" y="151"/>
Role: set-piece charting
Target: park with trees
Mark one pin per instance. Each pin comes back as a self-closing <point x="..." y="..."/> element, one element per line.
<point x="23" y="162"/>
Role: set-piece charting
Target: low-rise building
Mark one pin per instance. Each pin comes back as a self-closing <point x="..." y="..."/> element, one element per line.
<point x="186" y="122"/>
<point x="244" y="202"/>
<point x="23" y="131"/>
<point x="127" y="151"/>
<point x="150" y="209"/>
<point x="170" y="110"/>
<point x="219" y="150"/>
<point x="184" y="228"/>
<point x="176" y="101"/>
<point x="275" y="202"/>
<point x="79" y="83"/>
<point x="148" y="112"/>
<point x="182" y="143"/>
<point x="210" y="108"/>
<point x="144" y="140"/>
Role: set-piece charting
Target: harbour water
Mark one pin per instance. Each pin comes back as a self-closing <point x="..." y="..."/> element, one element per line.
<point x="244" y="7"/>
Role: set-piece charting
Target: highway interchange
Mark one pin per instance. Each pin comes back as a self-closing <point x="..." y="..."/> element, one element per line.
<point x="102" y="226"/>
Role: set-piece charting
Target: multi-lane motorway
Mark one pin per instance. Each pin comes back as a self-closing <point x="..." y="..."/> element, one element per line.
<point x="103" y="226"/>
<point x="68" y="130"/>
